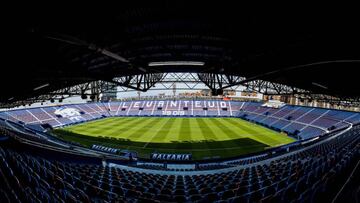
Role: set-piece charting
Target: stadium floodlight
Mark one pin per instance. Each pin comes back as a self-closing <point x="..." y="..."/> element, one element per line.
<point x="41" y="86"/>
<point x="113" y="55"/>
<point x="318" y="85"/>
<point x="142" y="69"/>
<point x="177" y="63"/>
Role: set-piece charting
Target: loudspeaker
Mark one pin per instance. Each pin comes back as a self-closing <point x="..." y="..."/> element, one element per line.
<point x="216" y="92"/>
<point x="47" y="126"/>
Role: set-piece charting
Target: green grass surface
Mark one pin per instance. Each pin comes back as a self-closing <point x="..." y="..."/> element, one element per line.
<point x="203" y="137"/>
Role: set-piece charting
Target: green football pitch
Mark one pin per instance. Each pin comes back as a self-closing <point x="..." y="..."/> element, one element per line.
<point x="202" y="137"/>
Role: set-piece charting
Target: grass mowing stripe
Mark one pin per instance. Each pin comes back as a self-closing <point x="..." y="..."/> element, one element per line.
<point x="238" y="125"/>
<point x="230" y="133"/>
<point x="111" y="126"/>
<point x="156" y="128"/>
<point x="163" y="132"/>
<point x="209" y="133"/>
<point x="224" y="132"/>
<point x="185" y="130"/>
<point x="257" y="133"/>
<point x="205" y="129"/>
<point x="94" y="123"/>
<point x="203" y="137"/>
<point x="267" y="136"/>
<point x="144" y="127"/>
<point x="177" y="130"/>
<point x="97" y="127"/>
<point x="119" y="130"/>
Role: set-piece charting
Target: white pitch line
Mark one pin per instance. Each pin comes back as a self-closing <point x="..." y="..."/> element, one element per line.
<point x="153" y="136"/>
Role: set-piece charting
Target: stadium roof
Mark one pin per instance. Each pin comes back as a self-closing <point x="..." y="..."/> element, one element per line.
<point x="48" y="49"/>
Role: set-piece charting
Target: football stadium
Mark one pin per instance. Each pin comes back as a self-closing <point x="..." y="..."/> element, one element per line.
<point x="168" y="102"/>
<point x="202" y="137"/>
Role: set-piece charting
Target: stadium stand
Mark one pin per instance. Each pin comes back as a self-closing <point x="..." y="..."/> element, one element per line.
<point x="309" y="174"/>
<point x="176" y="101"/>
<point x="300" y="122"/>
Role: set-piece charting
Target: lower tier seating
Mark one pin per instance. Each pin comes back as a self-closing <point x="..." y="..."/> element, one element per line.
<point x="307" y="175"/>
